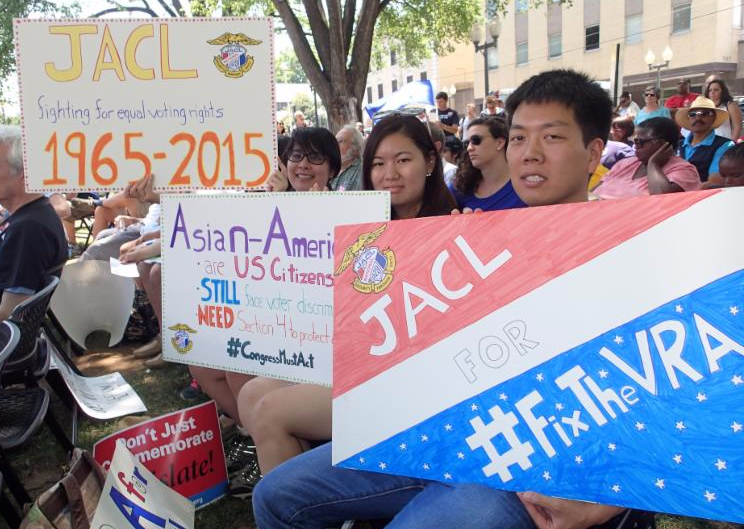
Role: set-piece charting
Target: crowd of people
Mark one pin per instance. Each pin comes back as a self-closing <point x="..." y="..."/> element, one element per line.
<point x="541" y="148"/>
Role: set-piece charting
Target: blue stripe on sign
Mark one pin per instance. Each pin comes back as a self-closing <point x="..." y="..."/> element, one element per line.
<point x="598" y="423"/>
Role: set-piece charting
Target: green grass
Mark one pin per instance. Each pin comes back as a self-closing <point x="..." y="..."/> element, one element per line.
<point x="42" y="462"/>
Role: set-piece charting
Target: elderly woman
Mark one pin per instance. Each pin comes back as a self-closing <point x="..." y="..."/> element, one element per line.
<point x="651" y="108"/>
<point x="654" y="169"/>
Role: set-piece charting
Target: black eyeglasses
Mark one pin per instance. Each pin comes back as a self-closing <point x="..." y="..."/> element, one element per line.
<point x="475" y="139"/>
<point x="314" y="158"/>
<point x="700" y="113"/>
<point x="640" y="142"/>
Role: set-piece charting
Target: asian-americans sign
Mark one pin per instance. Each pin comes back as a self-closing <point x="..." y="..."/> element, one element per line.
<point x="589" y="351"/>
<point x="248" y="279"/>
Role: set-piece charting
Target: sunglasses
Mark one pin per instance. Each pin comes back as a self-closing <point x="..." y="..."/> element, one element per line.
<point x="649" y="94"/>
<point x="700" y="113"/>
<point x="638" y="142"/>
<point x="314" y="158"/>
<point x="475" y="139"/>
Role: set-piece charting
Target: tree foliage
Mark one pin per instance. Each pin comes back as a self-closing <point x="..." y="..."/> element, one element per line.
<point x="288" y="69"/>
<point x="20" y="9"/>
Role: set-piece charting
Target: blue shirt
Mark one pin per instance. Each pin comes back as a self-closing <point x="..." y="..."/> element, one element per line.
<point x="661" y="112"/>
<point x="686" y="150"/>
<point x="504" y="198"/>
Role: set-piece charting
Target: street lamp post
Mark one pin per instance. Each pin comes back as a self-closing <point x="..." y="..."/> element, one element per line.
<point x="492" y="28"/>
<point x="666" y="56"/>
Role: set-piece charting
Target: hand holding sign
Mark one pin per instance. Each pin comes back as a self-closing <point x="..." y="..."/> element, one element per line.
<point x="142" y="190"/>
<point x="278" y="180"/>
<point x="556" y="513"/>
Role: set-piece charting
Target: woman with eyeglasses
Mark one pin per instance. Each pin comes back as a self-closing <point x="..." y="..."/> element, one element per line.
<point x="309" y="161"/>
<point x="281" y="417"/>
<point x="482" y="180"/>
<point x="718" y="92"/>
<point x="651" y="109"/>
<point x="654" y="169"/>
<point x="284" y="419"/>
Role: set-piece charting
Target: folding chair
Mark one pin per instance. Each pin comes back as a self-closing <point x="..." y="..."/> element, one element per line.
<point x="26" y="363"/>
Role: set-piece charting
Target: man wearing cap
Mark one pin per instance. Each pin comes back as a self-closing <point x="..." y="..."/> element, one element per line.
<point x="703" y="148"/>
<point x="683" y="98"/>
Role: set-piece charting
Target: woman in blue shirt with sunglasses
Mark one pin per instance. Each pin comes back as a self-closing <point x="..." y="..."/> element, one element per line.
<point x="482" y="180"/>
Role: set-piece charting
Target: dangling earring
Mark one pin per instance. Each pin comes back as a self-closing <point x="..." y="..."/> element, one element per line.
<point x="428" y="175"/>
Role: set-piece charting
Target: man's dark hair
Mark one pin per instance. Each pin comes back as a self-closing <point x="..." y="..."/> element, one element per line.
<point x="625" y="94"/>
<point x="591" y="105"/>
<point x="442" y="95"/>
<point x="662" y="128"/>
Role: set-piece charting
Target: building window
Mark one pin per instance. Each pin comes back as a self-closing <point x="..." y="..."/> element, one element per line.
<point x="522" y="54"/>
<point x="409" y="79"/>
<point x="393" y="58"/>
<point x="555" y="46"/>
<point x="492" y="55"/>
<point x="380" y="92"/>
<point x="423" y="76"/>
<point x="591" y="41"/>
<point x="369" y="94"/>
<point x="681" y="18"/>
<point x="633" y="29"/>
<point x="395" y="85"/>
<point x="522" y="6"/>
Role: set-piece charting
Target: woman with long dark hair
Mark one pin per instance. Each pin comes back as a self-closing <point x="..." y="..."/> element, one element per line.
<point x="400" y="157"/>
<point x="482" y="180"/>
<point x="718" y="92"/>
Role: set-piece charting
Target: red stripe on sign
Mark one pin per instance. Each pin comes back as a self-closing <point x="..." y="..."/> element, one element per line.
<point x="544" y="243"/>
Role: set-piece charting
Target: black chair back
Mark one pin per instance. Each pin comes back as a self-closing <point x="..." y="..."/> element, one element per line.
<point x="10" y="335"/>
<point x="29" y="316"/>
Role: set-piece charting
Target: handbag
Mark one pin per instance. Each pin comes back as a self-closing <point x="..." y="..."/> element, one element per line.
<point x="72" y="501"/>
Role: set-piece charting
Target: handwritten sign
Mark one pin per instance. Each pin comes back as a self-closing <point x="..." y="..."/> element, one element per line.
<point x="183" y="449"/>
<point x="590" y="351"/>
<point x="105" y="102"/>
<point x="248" y="279"/>
<point x="133" y="497"/>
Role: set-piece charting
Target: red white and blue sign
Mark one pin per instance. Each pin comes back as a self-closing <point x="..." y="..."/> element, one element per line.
<point x="589" y="351"/>
<point x="182" y="449"/>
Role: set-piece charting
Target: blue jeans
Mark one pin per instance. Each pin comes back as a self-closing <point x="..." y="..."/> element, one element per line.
<point x="307" y="492"/>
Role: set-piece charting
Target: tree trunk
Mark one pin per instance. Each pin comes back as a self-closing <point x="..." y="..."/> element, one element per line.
<point x="339" y="87"/>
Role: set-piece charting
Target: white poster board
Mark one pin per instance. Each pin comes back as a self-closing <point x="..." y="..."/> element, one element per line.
<point x="248" y="279"/>
<point x="105" y="102"/>
<point x="132" y="495"/>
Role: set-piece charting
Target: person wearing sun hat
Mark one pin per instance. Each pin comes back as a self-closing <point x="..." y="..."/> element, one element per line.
<point x="703" y="148"/>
